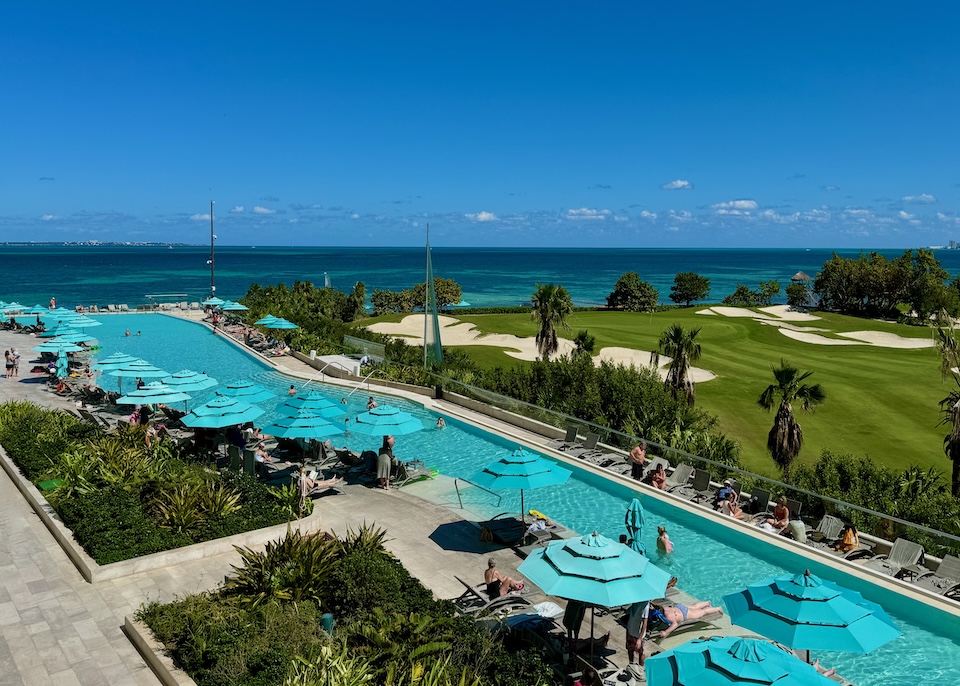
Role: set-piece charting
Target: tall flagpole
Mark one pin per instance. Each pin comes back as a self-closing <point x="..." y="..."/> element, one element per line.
<point x="426" y="300"/>
<point x="213" y="283"/>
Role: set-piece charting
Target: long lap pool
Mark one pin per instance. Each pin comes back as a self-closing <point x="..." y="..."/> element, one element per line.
<point x="710" y="559"/>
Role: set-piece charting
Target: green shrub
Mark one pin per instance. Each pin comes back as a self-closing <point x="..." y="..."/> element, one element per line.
<point x="361" y="582"/>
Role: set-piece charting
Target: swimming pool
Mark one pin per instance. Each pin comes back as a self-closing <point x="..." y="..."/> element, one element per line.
<point x="710" y="559"/>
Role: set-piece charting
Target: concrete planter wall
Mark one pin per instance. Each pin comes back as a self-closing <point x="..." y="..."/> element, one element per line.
<point x="154" y="655"/>
<point x="93" y="572"/>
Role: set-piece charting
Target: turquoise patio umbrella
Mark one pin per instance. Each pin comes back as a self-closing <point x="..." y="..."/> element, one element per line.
<point x="153" y="392"/>
<point x="138" y="368"/>
<point x="520" y="470"/>
<point x="57" y="347"/>
<point x="63" y="365"/>
<point x="12" y="307"/>
<point x="66" y="336"/>
<point x="114" y="361"/>
<point x="315" y="402"/>
<point x="220" y="412"/>
<point x="303" y="424"/>
<point x="245" y="389"/>
<point x="806" y="612"/>
<point x="213" y="302"/>
<point x="190" y="381"/>
<point x="634" y="521"/>
<point x="596" y="571"/>
<point x="36" y="309"/>
<point x="280" y="323"/>
<point x="231" y="306"/>
<point x="265" y="320"/>
<point x="84" y="322"/>
<point x="62" y="330"/>
<point x="728" y="660"/>
<point x="386" y="420"/>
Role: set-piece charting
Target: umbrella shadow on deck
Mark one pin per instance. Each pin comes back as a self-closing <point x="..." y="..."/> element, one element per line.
<point x="462" y="537"/>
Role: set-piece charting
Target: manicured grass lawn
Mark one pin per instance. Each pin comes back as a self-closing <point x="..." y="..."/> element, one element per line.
<point x="880" y="401"/>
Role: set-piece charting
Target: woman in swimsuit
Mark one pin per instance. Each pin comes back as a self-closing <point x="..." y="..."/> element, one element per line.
<point x="497" y="583"/>
<point x="680" y="613"/>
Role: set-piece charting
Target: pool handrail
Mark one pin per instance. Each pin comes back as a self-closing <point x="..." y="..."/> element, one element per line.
<point x="467" y="481"/>
<point x="320" y="371"/>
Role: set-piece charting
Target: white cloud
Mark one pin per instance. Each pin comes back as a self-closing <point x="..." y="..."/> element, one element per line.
<point x="774" y="216"/>
<point x="482" y="217"/>
<point x="263" y="210"/>
<point x="678" y="185"/>
<point x="922" y="199"/>
<point x="648" y="215"/>
<point x="904" y="215"/>
<point x="587" y="213"/>
<point x="816" y="215"/>
<point x="680" y="215"/>
<point x="238" y="209"/>
<point x="947" y="218"/>
<point x="736" y="205"/>
<point x="618" y="218"/>
<point x="49" y="217"/>
<point x="858" y="213"/>
<point x="205" y="217"/>
<point x="354" y="216"/>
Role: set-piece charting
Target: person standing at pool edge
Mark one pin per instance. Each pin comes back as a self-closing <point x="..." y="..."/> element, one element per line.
<point x="638" y="460"/>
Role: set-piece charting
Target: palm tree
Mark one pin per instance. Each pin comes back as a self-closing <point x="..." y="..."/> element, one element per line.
<point x="949" y="350"/>
<point x="950" y="408"/>
<point x="551" y="307"/>
<point x="584" y="342"/>
<point x="786" y="437"/>
<point x="683" y="348"/>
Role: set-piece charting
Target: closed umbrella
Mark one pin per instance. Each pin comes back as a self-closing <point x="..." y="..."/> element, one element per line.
<point x="386" y="420"/>
<point x="727" y="660"/>
<point x="153" y="392"/>
<point x="221" y="412"/>
<point x="594" y="570"/>
<point x="247" y="390"/>
<point x="520" y="470"/>
<point x="304" y="424"/>
<point x="317" y="403"/>
<point x="634" y="521"/>
<point x="806" y="612"/>
<point x="281" y="324"/>
<point x="63" y="365"/>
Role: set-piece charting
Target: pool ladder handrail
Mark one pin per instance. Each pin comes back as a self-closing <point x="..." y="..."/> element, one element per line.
<point x="366" y="380"/>
<point x="320" y="371"/>
<point x="467" y="481"/>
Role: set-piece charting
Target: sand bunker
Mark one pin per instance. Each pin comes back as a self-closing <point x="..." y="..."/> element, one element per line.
<point x="739" y="312"/>
<point x="455" y="332"/>
<point x="884" y="339"/>
<point x="788" y="325"/>
<point x="706" y="311"/>
<point x="641" y="358"/>
<point x="785" y="313"/>
<point x="815" y="338"/>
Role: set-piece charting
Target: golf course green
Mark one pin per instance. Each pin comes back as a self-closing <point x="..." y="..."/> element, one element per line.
<point x="881" y="401"/>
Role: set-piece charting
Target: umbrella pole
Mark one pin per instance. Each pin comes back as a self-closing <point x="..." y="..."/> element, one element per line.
<point x="592" y="610"/>
<point x="523" y="521"/>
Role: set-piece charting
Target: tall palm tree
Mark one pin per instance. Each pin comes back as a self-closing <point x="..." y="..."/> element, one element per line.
<point x="786" y="437"/>
<point x="683" y="348"/>
<point x="949" y="349"/>
<point x="551" y="307"/>
<point x="950" y="408"/>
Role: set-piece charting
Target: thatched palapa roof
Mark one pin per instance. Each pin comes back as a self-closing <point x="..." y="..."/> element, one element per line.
<point x="801" y="276"/>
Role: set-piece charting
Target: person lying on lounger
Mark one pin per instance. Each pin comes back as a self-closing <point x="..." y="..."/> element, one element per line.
<point x="680" y="613"/>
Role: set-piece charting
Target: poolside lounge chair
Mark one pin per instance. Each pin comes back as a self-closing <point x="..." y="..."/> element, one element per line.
<point x="702" y="624"/>
<point x="411" y="472"/>
<point x="569" y="440"/>
<point x="699" y="489"/>
<point x="827" y="531"/>
<point x="111" y="308"/>
<point x="652" y="467"/>
<point x="681" y="475"/>
<point x="316" y="491"/>
<point x="588" y="446"/>
<point x="123" y="308"/>
<point x="474" y="600"/>
<point x="903" y="558"/>
<point x="759" y="502"/>
<point x="945" y="580"/>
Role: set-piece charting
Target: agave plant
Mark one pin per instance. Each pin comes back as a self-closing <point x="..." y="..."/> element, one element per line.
<point x="217" y="501"/>
<point x="296" y="567"/>
<point x="76" y="472"/>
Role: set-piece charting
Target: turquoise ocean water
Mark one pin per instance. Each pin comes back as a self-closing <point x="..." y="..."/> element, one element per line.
<point x="489" y="276"/>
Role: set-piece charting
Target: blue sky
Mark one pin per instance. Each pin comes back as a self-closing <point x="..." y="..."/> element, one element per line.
<point x="508" y="124"/>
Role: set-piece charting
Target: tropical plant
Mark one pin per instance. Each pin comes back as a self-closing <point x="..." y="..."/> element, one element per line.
<point x="366" y="539"/>
<point x="950" y="411"/>
<point x="797" y="295"/>
<point x="296" y="567"/>
<point x="585" y="343"/>
<point x="551" y="307"/>
<point x="332" y="666"/>
<point x="742" y="296"/>
<point x="786" y="437"/>
<point x="683" y="348"/>
<point x="949" y="349"/>
<point x="291" y="502"/>
<point x="633" y="295"/>
<point x="218" y="501"/>
<point x="689" y="286"/>
<point x="178" y="509"/>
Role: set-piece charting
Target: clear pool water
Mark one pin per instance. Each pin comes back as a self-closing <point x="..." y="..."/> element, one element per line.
<point x="709" y="559"/>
